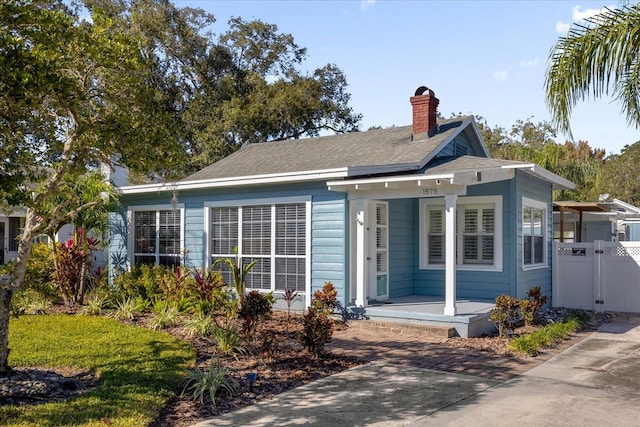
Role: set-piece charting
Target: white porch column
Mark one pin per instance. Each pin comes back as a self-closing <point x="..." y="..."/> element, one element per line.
<point x="450" y="254"/>
<point x="360" y="253"/>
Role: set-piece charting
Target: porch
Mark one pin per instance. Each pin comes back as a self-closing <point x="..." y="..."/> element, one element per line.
<point x="471" y="319"/>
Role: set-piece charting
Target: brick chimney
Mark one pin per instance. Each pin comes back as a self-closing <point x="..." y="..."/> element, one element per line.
<point x="425" y="107"/>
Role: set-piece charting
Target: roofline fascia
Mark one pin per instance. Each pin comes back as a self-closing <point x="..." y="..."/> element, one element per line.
<point x="558" y="182"/>
<point x="476" y="130"/>
<point x="318" y="175"/>
<point x="626" y="206"/>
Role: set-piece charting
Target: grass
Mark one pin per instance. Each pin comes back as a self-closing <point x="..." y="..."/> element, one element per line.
<point x="546" y="337"/>
<point x="139" y="369"/>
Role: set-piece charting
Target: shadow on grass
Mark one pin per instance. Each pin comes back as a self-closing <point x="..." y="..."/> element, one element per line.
<point x="138" y="369"/>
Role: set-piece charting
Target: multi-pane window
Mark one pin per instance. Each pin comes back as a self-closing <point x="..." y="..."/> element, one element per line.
<point x="478" y="230"/>
<point x="15" y="228"/>
<point x="157" y="237"/>
<point x="478" y="237"/>
<point x="275" y="236"/>
<point x="533" y="234"/>
<point x="435" y="235"/>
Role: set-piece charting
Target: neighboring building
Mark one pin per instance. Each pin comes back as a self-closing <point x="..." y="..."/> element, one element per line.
<point x="589" y="221"/>
<point x="10" y="225"/>
<point x="413" y="210"/>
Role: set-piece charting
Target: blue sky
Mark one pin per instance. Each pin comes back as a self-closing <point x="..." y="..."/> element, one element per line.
<point x="479" y="57"/>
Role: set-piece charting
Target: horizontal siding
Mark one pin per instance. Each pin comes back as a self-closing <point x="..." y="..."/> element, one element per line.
<point x="536" y="189"/>
<point x="194" y="235"/>
<point x="475" y="284"/>
<point x="328" y="243"/>
<point x="402" y="232"/>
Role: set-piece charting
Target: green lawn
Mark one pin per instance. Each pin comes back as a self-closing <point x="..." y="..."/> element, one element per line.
<point x="138" y="369"/>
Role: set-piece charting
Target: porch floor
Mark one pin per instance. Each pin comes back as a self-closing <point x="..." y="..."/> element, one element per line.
<point x="472" y="318"/>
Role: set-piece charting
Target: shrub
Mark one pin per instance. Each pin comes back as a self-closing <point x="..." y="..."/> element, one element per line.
<point x="203" y="382"/>
<point x="228" y="340"/>
<point x="316" y="332"/>
<point x="40" y="272"/>
<point x="200" y="324"/>
<point x="207" y="283"/>
<point x="545" y="337"/>
<point x="530" y="305"/>
<point x="326" y="299"/>
<point x="506" y="313"/>
<point x="96" y="303"/>
<point x="164" y="314"/>
<point x="127" y="308"/>
<point x="29" y="301"/>
<point x="257" y="306"/>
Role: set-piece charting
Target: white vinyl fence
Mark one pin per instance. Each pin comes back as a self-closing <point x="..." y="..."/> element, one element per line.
<point x="603" y="276"/>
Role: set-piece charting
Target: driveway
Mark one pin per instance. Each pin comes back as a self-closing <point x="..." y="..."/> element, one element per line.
<point x="593" y="383"/>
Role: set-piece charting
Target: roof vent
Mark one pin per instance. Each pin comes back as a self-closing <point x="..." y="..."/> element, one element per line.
<point x="425" y="111"/>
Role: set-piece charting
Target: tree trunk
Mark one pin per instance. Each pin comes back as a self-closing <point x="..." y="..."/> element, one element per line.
<point x="13" y="284"/>
<point x="6" y="292"/>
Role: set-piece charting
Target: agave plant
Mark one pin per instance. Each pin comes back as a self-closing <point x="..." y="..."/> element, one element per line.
<point x="201" y="382"/>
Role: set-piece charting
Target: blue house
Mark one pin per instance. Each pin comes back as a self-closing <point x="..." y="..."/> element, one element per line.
<point x="412" y="211"/>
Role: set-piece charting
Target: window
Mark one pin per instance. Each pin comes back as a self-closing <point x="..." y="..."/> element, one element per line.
<point x="533" y="232"/>
<point x="478" y="234"/>
<point x="478" y="228"/>
<point x="157" y="236"/>
<point x="273" y="235"/>
<point x="16" y="224"/>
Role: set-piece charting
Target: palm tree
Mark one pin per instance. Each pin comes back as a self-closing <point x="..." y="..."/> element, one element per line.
<point x="600" y="57"/>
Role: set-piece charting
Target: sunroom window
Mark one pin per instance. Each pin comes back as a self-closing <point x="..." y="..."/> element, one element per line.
<point x="274" y="235"/>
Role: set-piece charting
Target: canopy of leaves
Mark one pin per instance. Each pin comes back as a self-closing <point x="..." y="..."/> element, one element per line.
<point x="535" y="142"/>
<point x="598" y="58"/>
<point x="242" y="86"/>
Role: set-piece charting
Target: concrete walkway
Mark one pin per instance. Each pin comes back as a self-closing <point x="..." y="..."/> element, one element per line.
<point x="410" y="382"/>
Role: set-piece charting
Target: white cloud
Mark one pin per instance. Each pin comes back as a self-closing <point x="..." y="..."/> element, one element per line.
<point x="562" y="27"/>
<point x="365" y="4"/>
<point x="500" y="75"/>
<point x="578" y="15"/>
<point x="529" y="62"/>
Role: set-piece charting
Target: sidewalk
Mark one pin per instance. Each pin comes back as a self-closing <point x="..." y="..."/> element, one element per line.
<point x="408" y="380"/>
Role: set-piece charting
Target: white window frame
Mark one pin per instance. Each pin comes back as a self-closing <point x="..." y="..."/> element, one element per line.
<point x="131" y="210"/>
<point x="462" y="202"/>
<point x="531" y="203"/>
<point x="265" y="202"/>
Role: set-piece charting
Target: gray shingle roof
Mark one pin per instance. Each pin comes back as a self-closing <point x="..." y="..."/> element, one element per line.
<point x="470" y="164"/>
<point x="375" y="148"/>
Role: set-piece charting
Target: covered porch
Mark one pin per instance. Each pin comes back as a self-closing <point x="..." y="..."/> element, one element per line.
<point x="471" y="319"/>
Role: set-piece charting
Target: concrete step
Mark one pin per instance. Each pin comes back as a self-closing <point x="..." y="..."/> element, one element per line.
<point x="431" y="331"/>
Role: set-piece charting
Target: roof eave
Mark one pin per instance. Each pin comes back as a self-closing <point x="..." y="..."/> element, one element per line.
<point x="306" y="176"/>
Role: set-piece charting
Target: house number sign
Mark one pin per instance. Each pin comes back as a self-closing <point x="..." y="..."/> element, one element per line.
<point x="430" y="192"/>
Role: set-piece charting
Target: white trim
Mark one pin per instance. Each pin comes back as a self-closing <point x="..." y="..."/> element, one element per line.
<point x="257" y="201"/>
<point x="532" y="203"/>
<point x="271" y="202"/>
<point x="558" y="182"/>
<point x="317" y="175"/>
<point x="155" y="208"/>
<point x="462" y="202"/>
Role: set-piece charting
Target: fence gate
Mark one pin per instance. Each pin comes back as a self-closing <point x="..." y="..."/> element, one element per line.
<point x="603" y="276"/>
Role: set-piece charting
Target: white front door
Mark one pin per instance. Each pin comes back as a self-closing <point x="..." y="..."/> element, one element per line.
<point x="372" y="252"/>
